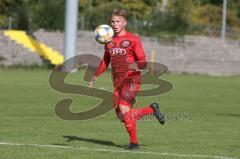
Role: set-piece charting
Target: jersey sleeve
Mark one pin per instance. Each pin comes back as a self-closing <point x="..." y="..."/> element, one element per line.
<point x="139" y="54"/>
<point x="103" y="64"/>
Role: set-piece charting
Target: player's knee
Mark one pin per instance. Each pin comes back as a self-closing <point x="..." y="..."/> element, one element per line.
<point x="120" y="117"/>
<point x="124" y="109"/>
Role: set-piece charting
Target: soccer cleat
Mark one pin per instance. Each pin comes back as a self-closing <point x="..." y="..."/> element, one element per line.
<point x="132" y="146"/>
<point x="157" y="113"/>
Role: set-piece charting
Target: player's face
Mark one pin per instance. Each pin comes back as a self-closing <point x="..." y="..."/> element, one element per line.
<point x="118" y="24"/>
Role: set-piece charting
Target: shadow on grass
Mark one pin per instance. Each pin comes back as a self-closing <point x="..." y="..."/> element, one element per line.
<point x="95" y="141"/>
<point x="229" y="115"/>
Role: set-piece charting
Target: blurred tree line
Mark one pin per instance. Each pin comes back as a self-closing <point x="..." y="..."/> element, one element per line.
<point x="147" y="17"/>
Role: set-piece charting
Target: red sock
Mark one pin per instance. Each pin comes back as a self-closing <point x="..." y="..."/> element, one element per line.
<point x="138" y="113"/>
<point x="130" y="125"/>
<point x="130" y="121"/>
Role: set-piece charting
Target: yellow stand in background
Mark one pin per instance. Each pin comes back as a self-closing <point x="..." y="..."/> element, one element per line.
<point x="20" y="37"/>
<point x="152" y="60"/>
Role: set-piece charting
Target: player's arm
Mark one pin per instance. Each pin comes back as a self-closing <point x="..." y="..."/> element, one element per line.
<point x="140" y="57"/>
<point x="101" y="68"/>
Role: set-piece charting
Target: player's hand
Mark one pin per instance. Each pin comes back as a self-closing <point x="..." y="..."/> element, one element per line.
<point x="133" y="66"/>
<point x="91" y="82"/>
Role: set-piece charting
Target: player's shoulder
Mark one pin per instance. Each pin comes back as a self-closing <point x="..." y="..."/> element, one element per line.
<point x="133" y="36"/>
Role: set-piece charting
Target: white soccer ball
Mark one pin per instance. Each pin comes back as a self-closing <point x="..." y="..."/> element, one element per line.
<point x="104" y="34"/>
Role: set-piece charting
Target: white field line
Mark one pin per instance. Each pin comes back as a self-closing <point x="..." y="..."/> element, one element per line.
<point x="117" y="151"/>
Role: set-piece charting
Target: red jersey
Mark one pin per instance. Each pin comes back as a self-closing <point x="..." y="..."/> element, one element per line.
<point x="121" y="52"/>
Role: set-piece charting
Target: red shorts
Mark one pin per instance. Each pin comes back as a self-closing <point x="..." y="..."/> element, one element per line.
<point x="125" y="94"/>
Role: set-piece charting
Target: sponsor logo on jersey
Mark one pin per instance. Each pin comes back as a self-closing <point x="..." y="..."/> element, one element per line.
<point x="118" y="51"/>
<point x="125" y="43"/>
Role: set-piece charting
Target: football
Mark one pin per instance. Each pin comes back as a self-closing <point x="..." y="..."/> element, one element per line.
<point x="104" y="34"/>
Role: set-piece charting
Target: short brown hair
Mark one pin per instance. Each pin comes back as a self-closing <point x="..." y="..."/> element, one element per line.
<point x="120" y="12"/>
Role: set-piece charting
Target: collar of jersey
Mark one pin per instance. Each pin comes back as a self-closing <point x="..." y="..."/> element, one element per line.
<point x="127" y="33"/>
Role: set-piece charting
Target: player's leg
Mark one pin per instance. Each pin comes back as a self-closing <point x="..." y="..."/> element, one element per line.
<point x="127" y="96"/>
<point x="126" y="100"/>
<point x="124" y="116"/>
<point x="138" y="113"/>
<point x="130" y="124"/>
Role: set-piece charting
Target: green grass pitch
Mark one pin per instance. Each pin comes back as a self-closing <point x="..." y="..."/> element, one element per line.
<point x="204" y="120"/>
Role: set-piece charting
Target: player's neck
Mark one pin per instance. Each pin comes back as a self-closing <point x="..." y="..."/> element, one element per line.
<point x="122" y="33"/>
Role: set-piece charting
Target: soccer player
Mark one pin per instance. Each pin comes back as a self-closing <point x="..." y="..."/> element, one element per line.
<point x="127" y="58"/>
